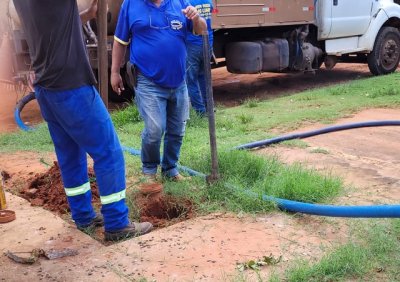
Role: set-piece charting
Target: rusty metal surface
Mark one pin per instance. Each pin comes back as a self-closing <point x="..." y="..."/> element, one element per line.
<point x="253" y="13"/>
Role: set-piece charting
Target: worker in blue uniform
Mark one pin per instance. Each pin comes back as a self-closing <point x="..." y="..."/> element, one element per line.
<point x="77" y="119"/>
<point x="195" y="77"/>
<point x="156" y="32"/>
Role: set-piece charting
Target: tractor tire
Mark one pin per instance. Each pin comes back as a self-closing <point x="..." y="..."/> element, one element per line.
<point x="385" y="56"/>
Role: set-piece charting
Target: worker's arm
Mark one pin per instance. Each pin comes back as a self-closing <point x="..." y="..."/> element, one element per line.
<point x="199" y="24"/>
<point x="89" y="13"/>
<point x="118" y="57"/>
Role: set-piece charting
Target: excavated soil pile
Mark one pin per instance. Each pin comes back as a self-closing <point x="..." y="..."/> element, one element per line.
<point x="47" y="190"/>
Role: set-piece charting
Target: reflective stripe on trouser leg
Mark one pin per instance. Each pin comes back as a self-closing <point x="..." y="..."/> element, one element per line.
<point x="77" y="190"/>
<point x="79" y="199"/>
<point x="82" y="115"/>
<point x="71" y="157"/>
<point x="116" y="197"/>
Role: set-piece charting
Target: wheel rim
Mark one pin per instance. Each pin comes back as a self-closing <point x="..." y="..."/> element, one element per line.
<point x="390" y="54"/>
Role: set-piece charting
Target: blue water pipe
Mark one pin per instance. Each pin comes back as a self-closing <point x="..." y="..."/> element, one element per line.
<point x="371" y="211"/>
<point x="321" y="131"/>
<point x="376" y="211"/>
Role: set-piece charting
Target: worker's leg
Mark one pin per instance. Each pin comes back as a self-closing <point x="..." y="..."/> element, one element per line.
<point x="73" y="165"/>
<point x="84" y="117"/>
<point x="151" y="101"/>
<point x="177" y="115"/>
<point x="202" y="83"/>
<point x="194" y="63"/>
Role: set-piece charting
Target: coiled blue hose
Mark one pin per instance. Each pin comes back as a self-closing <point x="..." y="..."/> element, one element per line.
<point x="18" y="109"/>
<point x="324" y="130"/>
<point x="372" y="211"/>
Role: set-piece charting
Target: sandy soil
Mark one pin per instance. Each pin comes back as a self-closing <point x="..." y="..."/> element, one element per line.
<point x="208" y="248"/>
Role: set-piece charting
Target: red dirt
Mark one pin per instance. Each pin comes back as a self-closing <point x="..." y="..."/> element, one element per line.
<point x="47" y="190"/>
<point x="161" y="209"/>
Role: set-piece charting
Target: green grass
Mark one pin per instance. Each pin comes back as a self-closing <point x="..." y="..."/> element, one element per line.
<point x="245" y="177"/>
<point x="125" y="116"/>
<point x="373" y="248"/>
<point x="37" y="140"/>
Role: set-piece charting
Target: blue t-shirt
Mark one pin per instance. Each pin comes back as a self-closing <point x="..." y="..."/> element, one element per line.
<point x="156" y="36"/>
<point x="204" y="7"/>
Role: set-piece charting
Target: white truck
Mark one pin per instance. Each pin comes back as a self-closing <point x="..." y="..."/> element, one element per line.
<point x="252" y="36"/>
<point x="298" y="35"/>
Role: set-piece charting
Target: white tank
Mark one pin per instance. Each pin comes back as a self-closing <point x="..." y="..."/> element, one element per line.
<point x="113" y="12"/>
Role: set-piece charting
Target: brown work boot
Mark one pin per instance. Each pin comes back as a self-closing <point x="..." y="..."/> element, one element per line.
<point x="179" y="178"/>
<point x="148" y="178"/>
<point x="95" y="222"/>
<point x="133" y="229"/>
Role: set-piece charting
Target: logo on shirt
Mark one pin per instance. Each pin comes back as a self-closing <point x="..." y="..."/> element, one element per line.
<point x="176" y="24"/>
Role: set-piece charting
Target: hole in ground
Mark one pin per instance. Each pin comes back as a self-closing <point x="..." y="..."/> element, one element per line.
<point x="161" y="209"/>
<point x="47" y="190"/>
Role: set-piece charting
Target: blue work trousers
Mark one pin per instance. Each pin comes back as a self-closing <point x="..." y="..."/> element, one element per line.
<point x="195" y="78"/>
<point x="79" y="124"/>
<point x="165" y="112"/>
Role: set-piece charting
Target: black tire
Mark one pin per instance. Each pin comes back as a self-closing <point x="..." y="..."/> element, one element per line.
<point x="385" y="56"/>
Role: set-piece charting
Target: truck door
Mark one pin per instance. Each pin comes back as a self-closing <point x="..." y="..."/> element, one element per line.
<point x="350" y="17"/>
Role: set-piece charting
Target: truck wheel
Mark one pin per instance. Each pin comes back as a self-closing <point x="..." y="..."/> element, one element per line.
<point x="385" y="56"/>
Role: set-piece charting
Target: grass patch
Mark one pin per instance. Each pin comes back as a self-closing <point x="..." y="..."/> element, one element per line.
<point x="373" y="252"/>
<point x="128" y="115"/>
<point x="245" y="118"/>
<point x="320" y="151"/>
<point x="36" y="140"/>
<point x="245" y="177"/>
<point x="251" y="103"/>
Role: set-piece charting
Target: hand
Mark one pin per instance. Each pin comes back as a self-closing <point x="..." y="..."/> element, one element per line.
<point x="116" y="83"/>
<point x="89" y="13"/>
<point x="92" y="10"/>
<point x="191" y="13"/>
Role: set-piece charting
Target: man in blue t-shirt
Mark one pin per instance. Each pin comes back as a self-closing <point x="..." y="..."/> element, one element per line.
<point x="195" y="64"/>
<point x="156" y="31"/>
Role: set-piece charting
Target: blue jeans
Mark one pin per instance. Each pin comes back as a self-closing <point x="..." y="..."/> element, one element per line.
<point x="79" y="123"/>
<point x="165" y="112"/>
<point x="195" y="78"/>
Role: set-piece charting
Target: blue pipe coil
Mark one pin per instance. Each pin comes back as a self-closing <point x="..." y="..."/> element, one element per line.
<point x="377" y="211"/>
<point x="18" y="109"/>
<point x="372" y="211"/>
<point x="321" y="131"/>
<point x="189" y="171"/>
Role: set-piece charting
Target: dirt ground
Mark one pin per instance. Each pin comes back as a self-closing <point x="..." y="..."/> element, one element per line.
<point x="208" y="248"/>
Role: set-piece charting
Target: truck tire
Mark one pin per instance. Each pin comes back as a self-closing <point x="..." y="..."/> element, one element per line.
<point x="385" y="56"/>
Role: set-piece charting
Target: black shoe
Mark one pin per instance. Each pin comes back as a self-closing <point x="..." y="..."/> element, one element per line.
<point x="96" y="222"/>
<point x="132" y="230"/>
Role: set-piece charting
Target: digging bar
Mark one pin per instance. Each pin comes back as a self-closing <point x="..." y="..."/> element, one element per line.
<point x="210" y="110"/>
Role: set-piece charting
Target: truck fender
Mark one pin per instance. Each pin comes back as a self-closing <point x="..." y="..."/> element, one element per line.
<point x="367" y="40"/>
